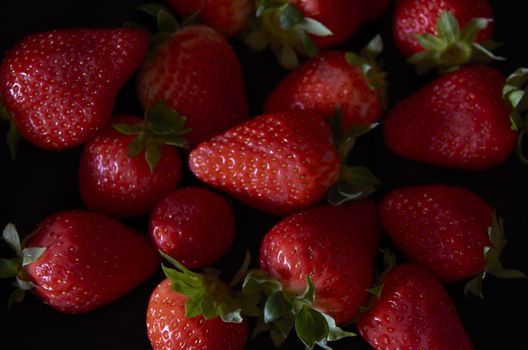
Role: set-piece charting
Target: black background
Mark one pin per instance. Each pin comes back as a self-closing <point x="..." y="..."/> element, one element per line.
<point x="40" y="183"/>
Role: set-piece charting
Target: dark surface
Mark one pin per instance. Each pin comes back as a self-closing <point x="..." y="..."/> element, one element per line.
<point x="40" y="183"/>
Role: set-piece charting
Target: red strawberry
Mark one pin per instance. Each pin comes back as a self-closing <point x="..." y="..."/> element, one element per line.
<point x="60" y="86"/>
<point x="78" y="261"/>
<point x="196" y="72"/>
<point x="458" y="121"/>
<point x="226" y="16"/>
<point x="413" y="312"/>
<point x="193" y="225"/>
<point x="448" y="230"/>
<point x="353" y="82"/>
<point x="279" y="163"/>
<point x="170" y="329"/>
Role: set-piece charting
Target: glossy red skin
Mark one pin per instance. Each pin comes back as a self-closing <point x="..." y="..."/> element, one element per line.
<point x="196" y="73"/>
<point x="90" y="260"/>
<point x="193" y="225"/>
<point x="226" y="16"/>
<point x="459" y="121"/>
<point x="169" y="329"/>
<point x="60" y="86"/>
<point x="413" y="17"/>
<point x="117" y="185"/>
<point x="322" y="83"/>
<point x="441" y="228"/>
<point x="278" y="163"/>
<point x="413" y="313"/>
<point x="335" y="246"/>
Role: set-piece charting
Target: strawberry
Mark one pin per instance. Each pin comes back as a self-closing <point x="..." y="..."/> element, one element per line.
<point x="193" y="225"/>
<point x="226" y="16"/>
<point x="113" y="176"/>
<point x="60" y="86"/>
<point x="78" y="261"/>
<point x="181" y="72"/>
<point x="413" y="311"/>
<point x="448" y="230"/>
<point x="429" y="32"/>
<point x="458" y="121"/>
<point x="353" y="82"/>
<point x="316" y="268"/>
<point x="280" y="163"/>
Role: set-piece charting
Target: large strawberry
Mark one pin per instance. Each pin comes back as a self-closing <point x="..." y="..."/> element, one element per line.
<point x="281" y="163"/>
<point x="78" y="261"/>
<point x="195" y="72"/>
<point x="226" y="16"/>
<point x="448" y="230"/>
<point x="193" y="225"/>
<point x="60" y="86"/>
<point x="413" y="311"/>
<point x="126" y="173"/>
<point x="459" y="121"/>
<point x="353" y="82"/>
<point x="316" y="268"/>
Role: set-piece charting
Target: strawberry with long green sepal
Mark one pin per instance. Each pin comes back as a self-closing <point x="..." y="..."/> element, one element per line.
<point x="78" y="261"/>
<point x="59" y="87"/>
<point x="354" y="82"/>
<point x="131" y="165"/>
<point x="515" y="95"/>
<point x="448" y="230"/>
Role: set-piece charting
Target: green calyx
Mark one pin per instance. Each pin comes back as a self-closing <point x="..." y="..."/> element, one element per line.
<point x="12" y="136"/>
<point x="14" y="268"/>
<point x="453" y="47"/>
<point x="515" y="94"/>
<point x="355" y="182"/>
<point x="281" y="312"/>
<point x="162" y="126"/>
<point x="281" y="26"/>
<point x="492" y="255"/>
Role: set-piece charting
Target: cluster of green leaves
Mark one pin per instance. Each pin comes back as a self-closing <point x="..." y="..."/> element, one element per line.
<point x="514" y="93"/>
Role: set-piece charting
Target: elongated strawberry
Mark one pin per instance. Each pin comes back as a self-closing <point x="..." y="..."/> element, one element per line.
<point x="459" y="121"/>
<point x="226" y="16"/>
<point x="195" y="72"/>
<point x="413" y="311"/>
<point x="448" y="230"/>
<point x="78" y="261"/>
<point x="353" y="82"/>
<point x="281" y="163"/>
<point x="60" y="86"/>
<point x="193" y="225"/>
<point x="316" y="268"/>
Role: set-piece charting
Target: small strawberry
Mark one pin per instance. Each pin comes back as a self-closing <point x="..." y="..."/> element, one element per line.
<point x="316" y="268"/>
<point x="458" y="121"/>
<point x="125" y="176"/>
<point x="78" y="261"/>
<point x="353" y="82"/>
<point x="413" y="311"/>
<point x="429" y="32"/>
<point x="195" y="72"/>
<point x="193" y="225"/>
<point x="59" y="87"/>
<point x="448" y="230"/>
<point x="281" y="163"/>
<point x="226" y="16"/>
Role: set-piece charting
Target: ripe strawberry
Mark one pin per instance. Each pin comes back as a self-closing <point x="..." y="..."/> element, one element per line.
<point x="60" y="86"/>
<point x="182" y="72"/>
<point x="226" y="16"/>
<point x="458" y="121"/>
<point x="279" y="163"/>
<point x="78" y="261"/>
<point x="353" y="82"/>
<point x="448" y="230"/>
<point x="193" y="225"/>
<point x="170" y="329"/>
<point x="413" y="311"/>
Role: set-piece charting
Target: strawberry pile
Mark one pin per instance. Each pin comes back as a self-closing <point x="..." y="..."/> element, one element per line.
<point x="246" y="176"/>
